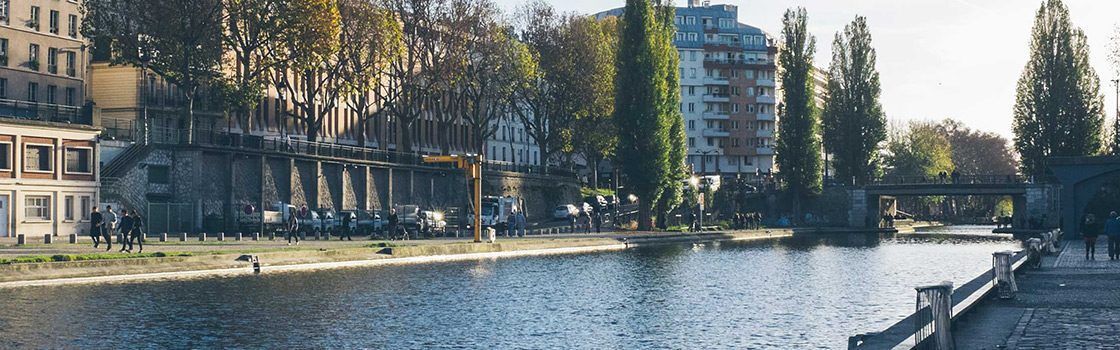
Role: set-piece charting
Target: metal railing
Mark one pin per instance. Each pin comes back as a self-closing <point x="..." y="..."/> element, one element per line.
<point x="950" y="180"/>
<point x="47" y="112"/>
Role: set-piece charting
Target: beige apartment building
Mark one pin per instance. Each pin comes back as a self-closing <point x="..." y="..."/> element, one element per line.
<point x="42" y="60"/>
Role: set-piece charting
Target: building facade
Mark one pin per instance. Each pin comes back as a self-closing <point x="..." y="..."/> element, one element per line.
<point x="728" y="90"/>
<point x="48" y="177"/>
<point x="510" y="143"/>
<point x="42" y="60"/>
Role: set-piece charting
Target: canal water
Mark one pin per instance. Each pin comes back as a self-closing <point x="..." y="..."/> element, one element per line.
<point x="793" y="294"/>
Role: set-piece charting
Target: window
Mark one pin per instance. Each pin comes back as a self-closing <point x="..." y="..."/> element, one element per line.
<point x="692" y="36"/>
<point x="52" y="94"/>
<point x="692" y="91"/>
<point x="54" y="22"/>
<point x="71" y="70"/>
<point x="3" y="51"/>
<point x="691" y="142"/>
<point x="159" y="174"/>
<point x="37" y="208"/>
<point x="3" y="87"/>
<point x="86" y="207"/>
<point x="691" y="125"/>
<point x="33" y="56"/>
<point x="678" y="20"/>
<point x="710" y="143"/>
<point x="34" y="22"/>
<point x="734" y="142"/>
<point x="37" y="158"/>
<point x="68" y="208"/>
<point x="79" y="160"/>
<point x="72" y="26"/>
<point x="5" y="5"/>
<point x="691" y="107"/>
<point x="52" y="60"/>
<point x="33" y="92"/>
<point x="692" y="73"/>
<point x="70" y="96"/>
<point x="690" y="20"/>
<point x="5" y="156"/>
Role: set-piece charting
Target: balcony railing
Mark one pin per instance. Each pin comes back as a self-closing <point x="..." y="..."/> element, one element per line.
<point x="765" y="117"/>
<point x="47" y="112"/>
<point x="714" y="132"/>
<point x="717" y="98"/>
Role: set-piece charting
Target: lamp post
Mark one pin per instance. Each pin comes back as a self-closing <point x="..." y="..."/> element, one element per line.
<point x="695" y="183"/>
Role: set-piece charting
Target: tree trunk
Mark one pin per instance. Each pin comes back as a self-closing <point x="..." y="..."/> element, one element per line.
<point x="190" y="117"/>
<point x="594" y="173"/>
<point x="645" y="209"/>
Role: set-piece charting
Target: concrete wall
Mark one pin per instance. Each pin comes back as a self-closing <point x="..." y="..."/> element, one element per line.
<point x="219" y="184"/>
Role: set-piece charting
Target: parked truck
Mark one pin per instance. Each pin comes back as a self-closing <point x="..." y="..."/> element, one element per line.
<point x="276" y="219"/>
<point x="497" y="211"/>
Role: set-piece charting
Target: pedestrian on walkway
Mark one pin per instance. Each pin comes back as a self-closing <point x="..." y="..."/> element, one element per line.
<point x="110" y="227"/>
<point x="585" y="221"/>
<point x="394" y="220"/>
<point x="292" y="226"/>
<point x="1090" y="232"/>
<point x="572" y="222"/>
<point x="598" y="222"/>
<point x="96" y="223"/>
<point x="347" y="218"/>
<point x="137" y="231"/>
<point x="521" y="222"/>
<point x="126" y="230"/>
<point x="1112" y="230"/>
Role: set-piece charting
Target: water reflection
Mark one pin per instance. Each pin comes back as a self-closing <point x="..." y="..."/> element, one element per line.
<point x="803" y="293"/>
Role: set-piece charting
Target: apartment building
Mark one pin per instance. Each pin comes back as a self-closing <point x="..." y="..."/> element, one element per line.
<point x="728" y="90"/>
<point x="511" y="143"/>
<point x="42" y="60"/>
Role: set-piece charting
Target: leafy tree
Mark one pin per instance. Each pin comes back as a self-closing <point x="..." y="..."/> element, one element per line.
<point x="1114" y="61"/>
<point x="853" y="120"/>
<point x="646" y="103"/>
<point x="498" y="66"/>
<point x="976" y="152"/>
<point x="180" y="40"/>
<point x="920" y="150"/>
<point x="311" y="74"/>
<point x="252" y="29"/>
<point x="798" y="150"/>
<point x="594" y="135"/>
<point x="545" y="104"/>
<point x="371" y="39"/>
<point x="1058" y="107"/>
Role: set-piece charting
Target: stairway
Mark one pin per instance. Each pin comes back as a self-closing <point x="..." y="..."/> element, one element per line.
<point x="120" y="165"/>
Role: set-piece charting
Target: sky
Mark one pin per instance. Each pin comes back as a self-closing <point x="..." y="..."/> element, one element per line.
<point x="937" y="59"/>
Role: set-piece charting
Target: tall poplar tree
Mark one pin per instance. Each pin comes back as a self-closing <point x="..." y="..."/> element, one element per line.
<point x="853" y="120"/>
<point x="799" y="144"/>
<point x="1059" y="110"/>
<point x="646" y="103"/>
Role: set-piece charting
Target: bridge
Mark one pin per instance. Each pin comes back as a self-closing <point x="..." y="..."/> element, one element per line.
<point x="1032" y="201"/>
<point x="1081" y="179"/>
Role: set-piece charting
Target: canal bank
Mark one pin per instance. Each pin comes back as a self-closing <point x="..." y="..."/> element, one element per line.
<point x="201" y="259"/>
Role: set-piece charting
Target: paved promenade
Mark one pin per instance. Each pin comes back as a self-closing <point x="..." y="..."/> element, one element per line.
<point x="1070" y="303"/>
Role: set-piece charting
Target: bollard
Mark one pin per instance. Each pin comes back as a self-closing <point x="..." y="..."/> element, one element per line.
<point x="318" y="235"/>
<point x="256" y="236"/>
<point x="20" y="239"/>
<point x="73" y="238"/>
<point x="183" y="237"/>
<point x="202" y="236"/>
<point x="221" y="236"/>
<point x="1003" y="275"/>
<point x="237" y="237"/>
<point x="163" y="237"/>
<point x="327" y="235"/>
<point x="47" y="239"/>
<point x="256" y="264"/>
<point x="272" y="235"/>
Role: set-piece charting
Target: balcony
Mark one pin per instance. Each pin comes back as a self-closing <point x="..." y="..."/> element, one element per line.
<point x="765" y="133"/>
<point x="717" y="98"/>
<point x="714" y="132"/>
<point x="765" y="99"/>
<point x="715" y="115"/>
<point x="764" y="151"/>
<point x="716" y="81"/>
<point x="46" y="112"/>
<point x="766" y="82"/>
<point x="750" y="63"/>
<point x="765" y="117"/>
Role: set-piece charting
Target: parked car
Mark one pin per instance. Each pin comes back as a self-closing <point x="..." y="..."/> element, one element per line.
<point x="432" y="222"/>
<point x="368" y="222"/>
<point x="562" y="212"/>
<point x="597" y="202"/>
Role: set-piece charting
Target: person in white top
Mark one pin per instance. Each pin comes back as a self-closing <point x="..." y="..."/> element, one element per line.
<point x="111" y="223"/>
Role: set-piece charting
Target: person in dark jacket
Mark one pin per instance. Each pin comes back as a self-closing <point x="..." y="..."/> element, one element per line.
<point x="292" y="226"/>
<point x="346" y="220"/>
<point x="96" y="223"/>
<point x="125" y="226"/>
<point x="394" y="220"/>
<point x="1090" y="231"/>
<point x="137" y="231"/>
<point x="1112" y="230"/>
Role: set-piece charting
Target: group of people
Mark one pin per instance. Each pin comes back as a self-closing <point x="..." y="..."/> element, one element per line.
<point x="587" y="220"/>
<point x="1091" y="229"/>
<point x="955" y="176"/>
<point x="747" y="221"/>
<point x="516" y="225"/>
<point x="127" y="227"/>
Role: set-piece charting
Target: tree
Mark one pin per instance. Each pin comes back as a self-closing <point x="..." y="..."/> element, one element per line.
<point x="497" y="68"/>
<point x="798" y="150"/>
<point x="311" y="74"/>
<point x="1058" y="107"/>
<point x="978" y="153"/>
<point x="594" y="135"/>
<point x="1114" y="61"/>
<point x="647" y="102"/>
<point x="371" y="40"/>
<point x="544" y="104"/>
<point x="853" y="120"/>
<point x="180" y="40"/>
<point x="252" y="29"/>
<point x="922" y="149"/>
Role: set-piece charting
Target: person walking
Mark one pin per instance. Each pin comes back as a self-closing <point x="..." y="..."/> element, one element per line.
<point x="96" y="223"/>
<point x="572" y="222"/>
<point x="1089" y="232"/>
<point x="598" y="222"/>
<point x="110" y="227"/>
<point x="137" y="231"/>
<point x="585" y="221"/>
<point x="394" y="220"/>
<point x="1112" y="231"/>
<point x="292" y="226"/>
<point x="347" y="218"/>
<point x="521" y="222"/>
<point x="126" y="230"/>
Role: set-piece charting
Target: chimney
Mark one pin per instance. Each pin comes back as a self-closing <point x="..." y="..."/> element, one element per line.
<point x="695" y="3"/>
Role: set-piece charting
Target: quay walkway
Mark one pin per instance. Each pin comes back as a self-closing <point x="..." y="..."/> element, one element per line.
<point x="1069" y="303"/>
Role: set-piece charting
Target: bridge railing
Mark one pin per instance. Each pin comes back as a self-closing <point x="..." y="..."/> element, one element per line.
<point x="963" y="179"/>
